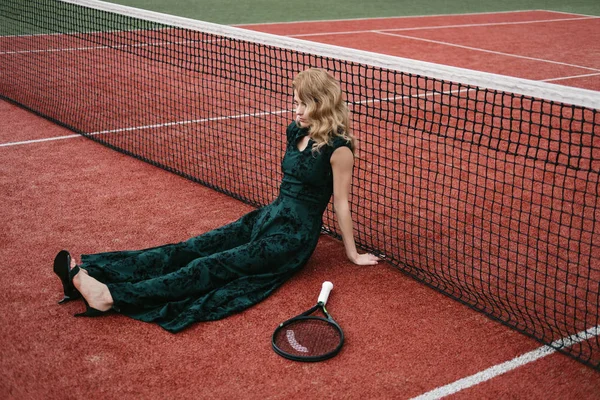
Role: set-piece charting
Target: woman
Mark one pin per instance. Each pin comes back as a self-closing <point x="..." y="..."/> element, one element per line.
<point x="233" y="267"/>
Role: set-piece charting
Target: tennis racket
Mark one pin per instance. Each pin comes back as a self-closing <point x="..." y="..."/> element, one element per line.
<point x="308" y="337"/>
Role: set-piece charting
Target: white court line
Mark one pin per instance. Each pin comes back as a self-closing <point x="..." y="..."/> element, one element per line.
<point x="154" y="126"/>
<point x="303" y="35"/>
<point x="424" y="16"/>
<point x="507" y="366"/>
<point x="193" y="121"/>
<point x="561" y="78"/>
<point x="39" y="140"/>
<point x="222" y="118"/>
<point x="569" y="13"/>
<point x="421" y="28"/>
<point x="486" y="51"/>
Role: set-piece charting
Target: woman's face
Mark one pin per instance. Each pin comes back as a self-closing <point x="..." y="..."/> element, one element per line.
<point x="302" y="117"/>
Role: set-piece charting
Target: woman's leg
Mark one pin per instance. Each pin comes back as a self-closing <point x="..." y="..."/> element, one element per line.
<point x="273" y="255"/>
<point x="141" y="265"/>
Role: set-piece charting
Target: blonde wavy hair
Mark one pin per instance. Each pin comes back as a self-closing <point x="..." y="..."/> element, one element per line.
<point x="327" y="111"/>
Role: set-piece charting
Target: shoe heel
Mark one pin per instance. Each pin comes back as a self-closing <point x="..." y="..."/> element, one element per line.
<point x="62" y="263"/>
<point x="66" y="299"/>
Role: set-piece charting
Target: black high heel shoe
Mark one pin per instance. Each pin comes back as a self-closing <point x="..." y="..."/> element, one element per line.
<point x="89" y="311"/>
<point x="62" y="263"/>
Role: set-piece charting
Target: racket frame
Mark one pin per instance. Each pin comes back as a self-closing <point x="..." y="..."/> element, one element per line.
<point x="304" y="316"/>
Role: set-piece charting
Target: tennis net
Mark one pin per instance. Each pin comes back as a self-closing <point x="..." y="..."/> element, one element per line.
<point x="485" y="188"/>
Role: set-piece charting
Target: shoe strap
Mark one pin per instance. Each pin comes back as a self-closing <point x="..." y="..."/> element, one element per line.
<point x="74" y="271"/>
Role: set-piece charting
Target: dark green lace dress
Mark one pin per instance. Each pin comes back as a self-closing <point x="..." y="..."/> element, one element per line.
<point x="228" y="269"/>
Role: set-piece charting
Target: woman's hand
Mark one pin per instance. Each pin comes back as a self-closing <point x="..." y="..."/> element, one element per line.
<point x="365" y="259"/>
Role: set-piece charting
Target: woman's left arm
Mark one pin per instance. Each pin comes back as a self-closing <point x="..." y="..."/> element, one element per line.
<point x="342" y="161"/>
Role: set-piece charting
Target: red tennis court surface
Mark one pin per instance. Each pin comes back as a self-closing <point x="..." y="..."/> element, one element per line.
<point x="403" y="339"/>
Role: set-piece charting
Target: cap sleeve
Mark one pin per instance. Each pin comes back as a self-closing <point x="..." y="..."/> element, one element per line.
<point x="338" y="142"/>
<point x="291" y="132"/>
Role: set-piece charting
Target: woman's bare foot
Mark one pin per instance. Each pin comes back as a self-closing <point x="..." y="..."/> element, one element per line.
<point x="95" y="293"/>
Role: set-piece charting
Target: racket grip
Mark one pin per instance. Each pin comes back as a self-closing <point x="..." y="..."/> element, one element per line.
<point x="324" y="295"/>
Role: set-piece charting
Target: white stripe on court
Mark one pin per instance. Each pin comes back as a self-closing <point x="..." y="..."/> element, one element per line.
<point x="433" y="27"/>
<point x="487" y="24"/>
<point x="39" y="140"/>
<point x="225" y="117"/>
<point x="486" y="51"/>
<point x="154" y="126"/>
<point x="424" y="16"/>
<point x="193" y="121"/>
<point x="562" y="78"/>
<point x="503" y="368"/>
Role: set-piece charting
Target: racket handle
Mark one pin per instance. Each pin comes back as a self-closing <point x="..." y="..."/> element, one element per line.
<point x="327" y="286"/>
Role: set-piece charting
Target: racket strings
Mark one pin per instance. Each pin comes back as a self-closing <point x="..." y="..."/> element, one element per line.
<point x="310" y="337"/>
